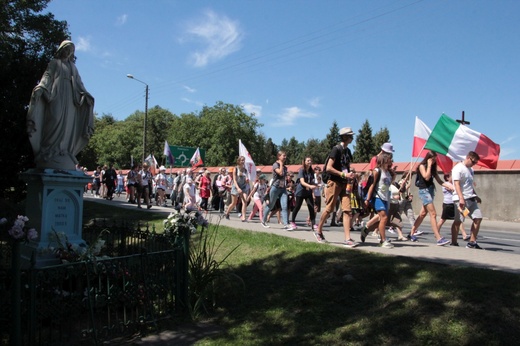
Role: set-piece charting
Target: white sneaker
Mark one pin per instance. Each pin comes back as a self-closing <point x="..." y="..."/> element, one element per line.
<point x="288" y="227"/>
<point x="418" y="232"/>
<point x="391" y="230"/>
<point x="386" y="244"/>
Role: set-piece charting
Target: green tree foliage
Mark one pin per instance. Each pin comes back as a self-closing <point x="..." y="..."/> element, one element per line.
<point x="332" y="137"/>
<point x="382" y="136"/>
<point x="218" y="129"/>
<point x="28" y="41"/>
<point x="316" y="150"/>
<point x="364" y="148"/>
<point x="294" y="151"/>
<point x="269" y="153"/>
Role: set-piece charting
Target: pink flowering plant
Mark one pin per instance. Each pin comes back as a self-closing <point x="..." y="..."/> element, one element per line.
<point x="19" y="231"/>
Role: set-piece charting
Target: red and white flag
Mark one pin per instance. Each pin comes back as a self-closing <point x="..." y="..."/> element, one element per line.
<point x="152" y="163"/>
<point x="420" y="137"/>
<point x="196" y="159"/>
<point x="250" y="165"/>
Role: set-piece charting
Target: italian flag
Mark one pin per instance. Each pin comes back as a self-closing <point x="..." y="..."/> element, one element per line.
<point x="456" y="140"/>
<point x="420" y="137"/>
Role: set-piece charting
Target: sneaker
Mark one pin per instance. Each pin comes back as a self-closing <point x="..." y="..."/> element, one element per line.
<point x="364" y="233"/>
<point x="374" y="234"/>
<point x="412" y="238"/>
<point x="264" y="225"/>
<point x="466" y="238"/>
<point x="315" y="228"/>
<point x="293" y="225"/>
<point x="386" y="244"/>
<point x="473" y="245"/>
<point x="401" y="238"/>
<point x="319" y="237"/>
<point x="418" y="232"/>
<point x="442" y="241"/>
<point x="350" y="243"/>
<point x="288" y="227"/>
<point x="454" y="244"/>
<point x="391" y="230"/>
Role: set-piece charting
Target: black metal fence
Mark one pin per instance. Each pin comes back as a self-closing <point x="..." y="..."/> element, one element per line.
<point x="90" y="303"/>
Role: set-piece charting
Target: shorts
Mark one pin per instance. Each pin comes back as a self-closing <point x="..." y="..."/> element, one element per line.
<point x="380" y="205"/>
<point x="448" y="211"/>
<point x="426" y="195"/>
<point x="474" y="210"/>
<point x="333" y="190"/>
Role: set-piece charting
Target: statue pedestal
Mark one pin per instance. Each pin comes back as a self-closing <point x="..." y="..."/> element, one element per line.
<point x="54" y="204"/>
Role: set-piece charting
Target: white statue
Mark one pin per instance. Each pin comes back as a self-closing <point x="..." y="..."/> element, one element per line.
<point x="60" y="119"/>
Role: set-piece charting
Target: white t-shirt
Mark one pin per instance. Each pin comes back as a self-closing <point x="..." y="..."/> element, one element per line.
<point x="465" y="177"/>
<point x="447" y="195"/>
<point x="383" y="185"/>
<point x="394" y="194"/>
<point x="260" y="191"/>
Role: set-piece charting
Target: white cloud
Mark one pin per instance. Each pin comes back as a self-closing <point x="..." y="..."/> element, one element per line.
<point x="509" y="139"/>
<point x="121" y="20"/>
<point x="219" y="35"/>
<point x="83" y="44"/>
<point x="197" y="103"/>
<point x="188" y="89"/>
<point x="252" y="109"/>
<point x="315" y="102"/>
<point x="290" y="115"/>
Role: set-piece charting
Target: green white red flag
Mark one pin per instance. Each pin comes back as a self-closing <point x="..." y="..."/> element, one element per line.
<point x="455" y="140"/>
<point x="420" y="137"/>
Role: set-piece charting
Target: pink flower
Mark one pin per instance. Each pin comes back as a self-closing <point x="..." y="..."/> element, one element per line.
<point x="16" y="232"/>
<point x="32" y="234"/>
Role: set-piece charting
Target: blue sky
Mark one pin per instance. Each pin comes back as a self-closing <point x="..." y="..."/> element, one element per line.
<point x="300" y="65"/>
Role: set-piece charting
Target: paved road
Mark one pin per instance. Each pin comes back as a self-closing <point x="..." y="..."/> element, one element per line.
<point x="500" y="240"/>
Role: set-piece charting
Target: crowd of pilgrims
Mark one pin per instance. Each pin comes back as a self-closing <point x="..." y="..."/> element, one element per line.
<point x="230" y="191"/>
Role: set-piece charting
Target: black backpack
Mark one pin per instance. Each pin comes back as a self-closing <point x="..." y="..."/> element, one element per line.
<point x="325" y="176"/>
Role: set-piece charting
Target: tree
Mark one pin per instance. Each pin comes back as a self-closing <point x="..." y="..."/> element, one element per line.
<point x="28" y="41"/>
<point x="217" y="129"/>
<point x="381" y="137"/>
<point x="294" y="150"/>
<point x="364" y="148"/>
<point x="333" y="136"/>
<point x="316" y="150"/>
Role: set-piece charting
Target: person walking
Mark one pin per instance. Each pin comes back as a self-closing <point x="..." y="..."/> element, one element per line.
<point x="426" y="173"/>
<point x="448" y="209"/>
<point x="465" y="199"/>
<point x="258" y="195"/>
<point x="239" y="189"/>
<point x="278" y="191"/>
<point x="379" y="196"/>
<point x="338" y="167"/>
<point x="305" y="186"/>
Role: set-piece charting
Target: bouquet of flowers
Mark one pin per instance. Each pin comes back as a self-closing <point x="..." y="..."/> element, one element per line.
<point x="69" y="252"/>
<point x="181" y="221"/>
<point x="19" y="231"/>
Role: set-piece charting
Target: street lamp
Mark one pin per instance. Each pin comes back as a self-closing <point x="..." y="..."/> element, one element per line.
<point x="145" y="114"/>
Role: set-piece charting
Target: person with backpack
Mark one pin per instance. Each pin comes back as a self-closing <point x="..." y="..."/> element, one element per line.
<point x="379" y="196"/>
<point x="426" y="174"/>
<point x="337" y="170"/>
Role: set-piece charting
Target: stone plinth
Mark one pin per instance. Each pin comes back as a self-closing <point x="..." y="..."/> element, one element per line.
<point x="54" y="204"/>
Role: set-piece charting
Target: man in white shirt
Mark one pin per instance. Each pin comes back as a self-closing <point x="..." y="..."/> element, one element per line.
<point x="465" y="199"/>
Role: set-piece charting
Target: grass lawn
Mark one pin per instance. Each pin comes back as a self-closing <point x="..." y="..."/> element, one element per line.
<point x="302" y="293"/>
